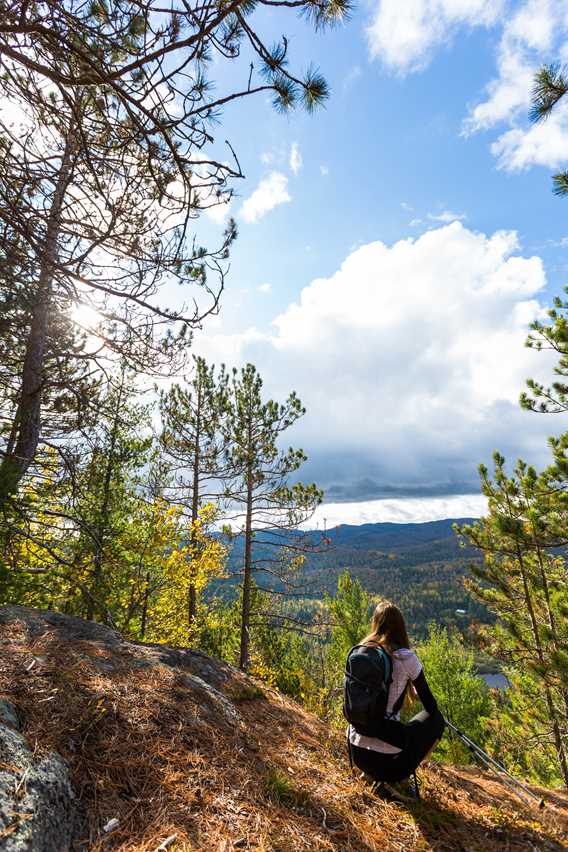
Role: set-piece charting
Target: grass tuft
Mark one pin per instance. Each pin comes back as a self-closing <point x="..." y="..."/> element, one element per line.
<point x="282" y="790"/>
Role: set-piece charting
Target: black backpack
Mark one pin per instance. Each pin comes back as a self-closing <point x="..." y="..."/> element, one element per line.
<point x="368" y="676"/>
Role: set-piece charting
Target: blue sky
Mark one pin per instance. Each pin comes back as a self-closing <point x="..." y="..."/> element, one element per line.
<point x="412" y="236"/>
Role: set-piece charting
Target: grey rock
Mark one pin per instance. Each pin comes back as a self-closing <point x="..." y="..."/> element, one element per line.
<point x="9" y="715"/>
<point x="37" y="803"/>
<point x="223" y="710"/>
<point x="39" y="622"/>
<point x="38" y="810"/>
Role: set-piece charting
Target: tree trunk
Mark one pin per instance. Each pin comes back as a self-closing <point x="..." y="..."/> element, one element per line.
<point x="103" y="520"/>
<point x="245" y="621"/>
<point x="144" y="618"/>
<point x="558" y="742"/>
<point x="550" y="616"/>
<point x="27" y="419"/>
<point x="192" y="590"/>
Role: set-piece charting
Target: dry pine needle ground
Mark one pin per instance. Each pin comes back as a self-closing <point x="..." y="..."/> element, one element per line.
<point x="149" y="747"/>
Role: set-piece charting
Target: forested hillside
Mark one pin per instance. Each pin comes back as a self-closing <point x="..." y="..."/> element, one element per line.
<point x="419" y="566"/>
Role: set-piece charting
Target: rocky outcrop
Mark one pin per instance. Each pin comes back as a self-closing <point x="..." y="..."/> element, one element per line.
<point x="37" y="802"/>
<point x="39" y="811"/>
<point x="108" y="744"/>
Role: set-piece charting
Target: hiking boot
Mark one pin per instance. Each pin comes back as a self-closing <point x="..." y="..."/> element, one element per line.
<point x="383" y="791"/>
<point x="406" y="790"/>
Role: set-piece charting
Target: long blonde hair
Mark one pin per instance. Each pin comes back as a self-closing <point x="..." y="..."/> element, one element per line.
<point x="388" y="628"/>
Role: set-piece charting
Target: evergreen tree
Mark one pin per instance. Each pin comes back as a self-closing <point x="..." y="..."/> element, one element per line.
<point x="523" y="580"/>
<point x="550" y="86"/>
<point x="193" y="441"/>
<point x="105" y="491"/>
<point x="551" y="335"/>
<point x="110" y="158"/>
<point x="461" y="694"/>
<point x="515" y="732"/>
<point x="261" y="490"/>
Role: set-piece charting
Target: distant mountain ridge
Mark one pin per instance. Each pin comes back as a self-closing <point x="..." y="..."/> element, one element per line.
<point x="392" y="534"/>
<point x="420" y="566"/>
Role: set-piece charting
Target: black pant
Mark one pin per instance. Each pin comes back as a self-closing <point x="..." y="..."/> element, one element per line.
<point x="420" y="735"/>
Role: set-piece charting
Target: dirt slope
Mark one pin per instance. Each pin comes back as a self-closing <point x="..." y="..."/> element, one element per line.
<point x="187" y="753"/>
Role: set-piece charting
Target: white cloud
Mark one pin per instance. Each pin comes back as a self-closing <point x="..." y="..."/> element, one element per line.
<point x="447" y="216"/>
<point x="410" y="360"/>
<point x="296" y="161"/>
<point x="404" y="35"/>
<point x="219" y="213"/>
<point x="535" y="33"/>
<point x="271" y="191"/>
<point x="527" y="37"/>
<point x="410" y="510"/>
<point x="324" y="170"/>
<point x="264" y="288"/>
<point x="542" y="144"/>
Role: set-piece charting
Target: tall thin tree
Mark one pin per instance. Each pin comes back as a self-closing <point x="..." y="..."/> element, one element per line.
<point x="262" y="492"/>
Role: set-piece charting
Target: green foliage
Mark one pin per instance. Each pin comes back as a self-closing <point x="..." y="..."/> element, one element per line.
<point x="281" y="789"/>
<point x="462" y="695"/>
<point x="350" y="610"/>
<point x="550" y="86"/>
<point x="260" y="484"/>
<point x="550" y="335"/>
<point x="515" y="731"/>
<point x="523" y="580"/>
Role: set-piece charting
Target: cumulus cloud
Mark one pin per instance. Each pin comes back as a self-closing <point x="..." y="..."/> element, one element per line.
<point x="271" y="191"/>
<point x="264" y="288"/>
<point x="527" y="37"/>
<point x="324" y="170"/>
<point x="296" y="161"/>
<point x="404" y="35"/>
<point x="410" y="360"/>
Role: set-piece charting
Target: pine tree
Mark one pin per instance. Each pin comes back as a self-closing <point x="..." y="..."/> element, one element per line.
<point x="522" y="579"/>
<point x="550" y="86"/>
<point x="194" y="443"/>
<point x="261" y="490"/>
<point x="110" y="159"/>
<point x="105" y="470"/>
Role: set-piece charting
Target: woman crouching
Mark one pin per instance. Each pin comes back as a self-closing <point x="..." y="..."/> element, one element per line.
<point x="401" y="747"/>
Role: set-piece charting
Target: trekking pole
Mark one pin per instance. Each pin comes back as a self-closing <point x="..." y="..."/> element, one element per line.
<point x="509" y="780"/>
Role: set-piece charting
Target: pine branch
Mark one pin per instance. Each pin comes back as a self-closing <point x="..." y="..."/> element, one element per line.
<point x="550" y="85"/>
<point x="560" y="184"/>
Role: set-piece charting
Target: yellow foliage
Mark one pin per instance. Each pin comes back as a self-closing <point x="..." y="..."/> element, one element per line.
<point x="193" y="563"/>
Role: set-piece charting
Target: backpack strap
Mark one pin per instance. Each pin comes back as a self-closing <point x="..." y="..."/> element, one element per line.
<point x="388" y="664"/>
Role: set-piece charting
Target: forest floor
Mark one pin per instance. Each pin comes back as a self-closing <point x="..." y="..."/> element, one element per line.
<point x="185" y="753"/>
